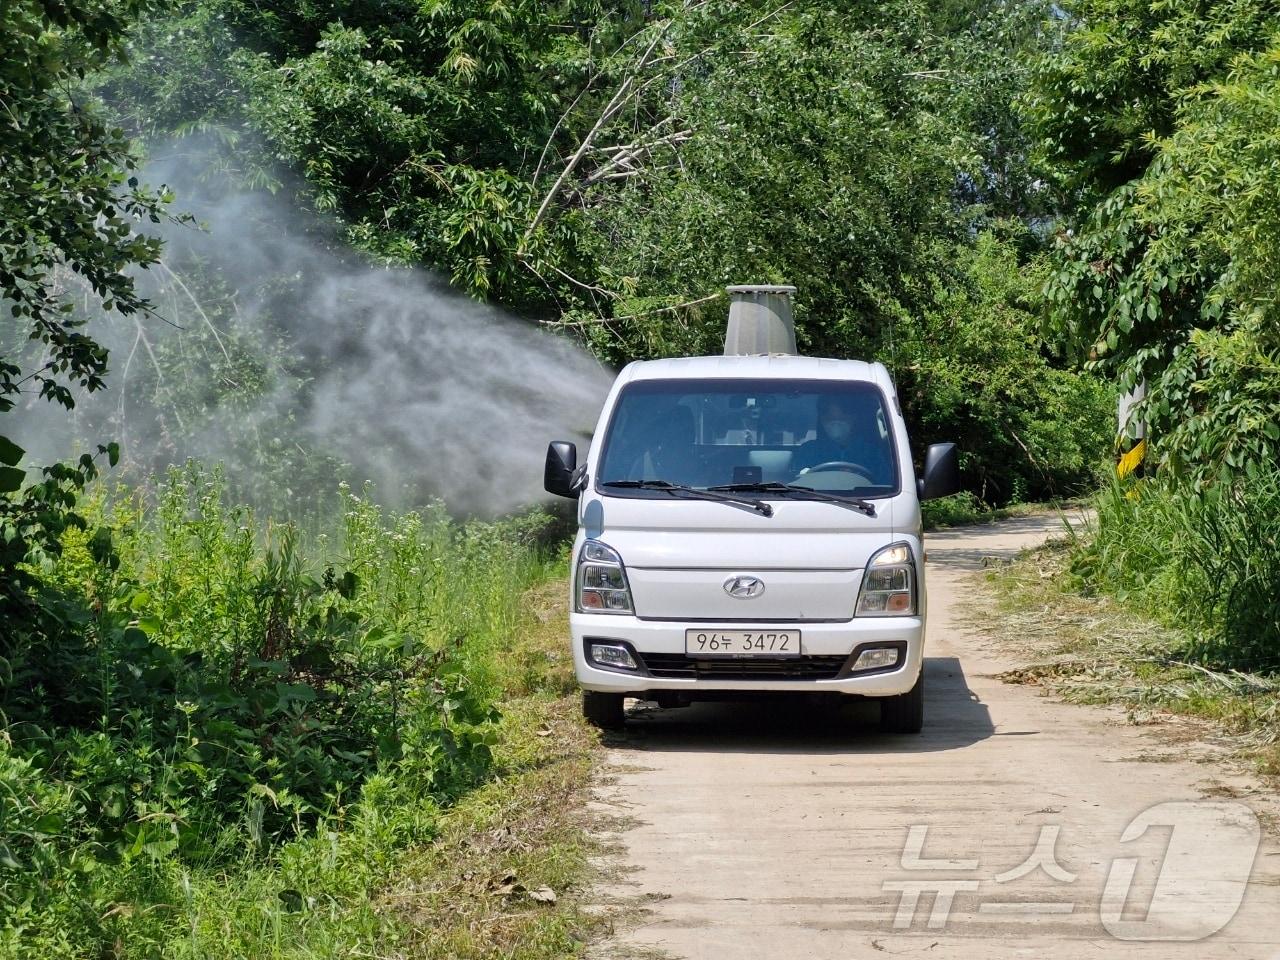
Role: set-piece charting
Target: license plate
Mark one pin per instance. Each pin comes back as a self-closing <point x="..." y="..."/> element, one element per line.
<point x="742" y="643"/>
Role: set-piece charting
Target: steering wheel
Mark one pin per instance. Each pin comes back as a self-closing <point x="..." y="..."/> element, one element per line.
<point x="845" y="466"/>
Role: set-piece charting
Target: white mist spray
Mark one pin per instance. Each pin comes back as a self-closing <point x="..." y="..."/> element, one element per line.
<point x="408" y="383"/>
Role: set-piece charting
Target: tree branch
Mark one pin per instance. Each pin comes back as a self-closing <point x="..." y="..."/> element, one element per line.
<point x="615" y="103"/>
<point x="604" y="321"/>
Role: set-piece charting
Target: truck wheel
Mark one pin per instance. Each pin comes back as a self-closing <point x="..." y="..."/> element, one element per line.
<point x="603" y="710"/>
<point x="905" y="712"/>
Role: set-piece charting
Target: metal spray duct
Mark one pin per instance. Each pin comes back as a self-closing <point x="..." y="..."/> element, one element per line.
<point x="760" y="320"/>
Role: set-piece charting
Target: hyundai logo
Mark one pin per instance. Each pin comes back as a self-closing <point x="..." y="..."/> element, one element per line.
<point x="744" y="588"/>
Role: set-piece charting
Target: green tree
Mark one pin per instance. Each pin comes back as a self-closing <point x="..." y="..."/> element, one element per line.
<point x="600" y="166"/>
<point x="790" y="144"/>
<point x="420" y="124"/>
<point x="1158" y="121"/>
<point x="68" y="217"/>
<point x="1214" y="192"/>
<point x="972" y="370"/>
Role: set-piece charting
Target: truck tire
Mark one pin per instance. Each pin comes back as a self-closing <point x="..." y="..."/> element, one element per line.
<point x="905" y="712"/>
<point x="603" y="710"/>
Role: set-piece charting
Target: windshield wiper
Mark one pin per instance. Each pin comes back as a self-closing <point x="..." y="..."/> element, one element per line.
<point x="677" y="488"/>
<point x="866" y="506"/>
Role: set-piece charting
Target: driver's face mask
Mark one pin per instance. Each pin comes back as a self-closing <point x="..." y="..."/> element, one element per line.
<point x="837" y="429"/>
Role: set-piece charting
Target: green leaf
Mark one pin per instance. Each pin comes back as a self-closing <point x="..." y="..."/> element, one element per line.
<point x="262" y="790"/>
<point x="288" y="693"/>
<point x="150" y="625"/>
<point x="11" y="479"/>
<point x="347" y="585"/>
<point x="10" y="452"/>
<point x="50" y="824"/>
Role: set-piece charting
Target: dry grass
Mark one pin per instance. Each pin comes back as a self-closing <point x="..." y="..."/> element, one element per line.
<point x="1095" y="649"/>
<point x="511" y="871"/>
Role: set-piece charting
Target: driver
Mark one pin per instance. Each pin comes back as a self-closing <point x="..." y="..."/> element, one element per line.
<point x="847" y="433"/>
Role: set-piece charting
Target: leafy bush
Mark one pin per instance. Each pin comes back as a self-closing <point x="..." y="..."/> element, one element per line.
<point x="1160" y="121"/>
<point x="1209" y="561"/>
<point x="197" y="692"/>
<point x="971" y="369"/>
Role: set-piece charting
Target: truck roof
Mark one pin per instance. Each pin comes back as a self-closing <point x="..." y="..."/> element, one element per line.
<point x="757" y="367"/>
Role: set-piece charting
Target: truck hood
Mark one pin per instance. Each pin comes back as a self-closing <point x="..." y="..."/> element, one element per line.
<point x="680" y="553"/>
<point x="801" y="534"/>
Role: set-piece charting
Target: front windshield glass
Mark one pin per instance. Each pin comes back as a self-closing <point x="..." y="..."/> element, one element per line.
<point x="828" y="435"/>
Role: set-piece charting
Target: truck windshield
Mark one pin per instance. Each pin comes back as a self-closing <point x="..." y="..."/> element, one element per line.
<point x="829" y="435"/>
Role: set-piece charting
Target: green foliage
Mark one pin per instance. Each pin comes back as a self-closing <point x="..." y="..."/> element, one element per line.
<point x="196" y="693"/>
<point x="1161" y="119"/>
<point x="1213" y="192"/>
<point x="842" y="154"/>
<point x="871" y="160"/>
<point x="597" y="160"/>
<point x="1116" y="73"/>
<point x="33" y="522"/>
<point x="419" y="123"/>
<point x="209" y="377"/>
<point x="1209" y="562"/>
<point x="65" y="206"/>
<point x="956" y="510"/>
<point x="972" y="371"/>
<point x="600" y="166"/>
<point x="67" y="223"/>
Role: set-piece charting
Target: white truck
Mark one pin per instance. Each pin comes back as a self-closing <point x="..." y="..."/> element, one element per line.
<point x="750" y="523"/>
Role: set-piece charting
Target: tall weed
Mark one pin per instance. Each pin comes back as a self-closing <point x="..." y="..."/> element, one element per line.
<point x="1207" y="559"/>
<point x="215" y="692"/>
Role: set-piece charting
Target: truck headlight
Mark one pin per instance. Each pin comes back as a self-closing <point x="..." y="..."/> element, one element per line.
<point x="889" y="584"/>
<point x="601" y="581"/>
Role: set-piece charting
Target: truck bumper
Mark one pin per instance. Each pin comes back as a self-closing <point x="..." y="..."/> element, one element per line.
<point x="828" y="652"/>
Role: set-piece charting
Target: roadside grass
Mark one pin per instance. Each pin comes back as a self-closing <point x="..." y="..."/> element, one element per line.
<point x="963" y="509"/>
<point x="507" y="874"/>
<point x="511" y="871"/>
<point x="509" y="868"/>
<point x="1204" y="560"/>
<point x="380" y="757"/>
<point x="1099" y="649"/>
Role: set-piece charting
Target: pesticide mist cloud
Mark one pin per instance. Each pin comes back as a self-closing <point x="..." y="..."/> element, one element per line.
<point x="407" y="383"/>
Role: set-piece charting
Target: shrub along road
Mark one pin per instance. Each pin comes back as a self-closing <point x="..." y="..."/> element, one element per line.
<point x="785" y="829"/>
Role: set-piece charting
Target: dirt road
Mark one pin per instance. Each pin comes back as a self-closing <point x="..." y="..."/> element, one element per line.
<point x="779" y="830"/>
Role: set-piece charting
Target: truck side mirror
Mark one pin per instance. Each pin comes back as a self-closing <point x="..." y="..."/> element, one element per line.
<point x="560" y="474"/>
<point x="941" y="474"/>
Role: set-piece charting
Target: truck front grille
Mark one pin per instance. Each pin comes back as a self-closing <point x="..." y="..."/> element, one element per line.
<point x="678" y="666"/>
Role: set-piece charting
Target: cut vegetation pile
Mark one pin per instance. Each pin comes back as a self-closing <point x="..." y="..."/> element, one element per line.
<point x="1104" y="648"/>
